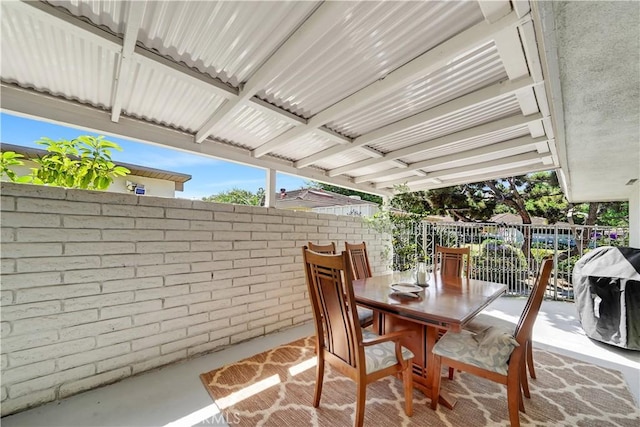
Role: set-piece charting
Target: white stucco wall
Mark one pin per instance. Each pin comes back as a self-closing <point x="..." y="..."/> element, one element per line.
<point x="154" y="187"/>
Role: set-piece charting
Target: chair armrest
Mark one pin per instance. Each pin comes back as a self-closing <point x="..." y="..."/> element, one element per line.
<point x="391" y="336"/>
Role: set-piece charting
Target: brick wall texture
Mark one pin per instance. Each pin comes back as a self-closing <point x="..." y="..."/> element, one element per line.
<point x="96" y="287"/>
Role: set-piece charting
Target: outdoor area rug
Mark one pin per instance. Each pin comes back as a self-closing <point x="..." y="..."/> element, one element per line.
<point x="275" y="388"/>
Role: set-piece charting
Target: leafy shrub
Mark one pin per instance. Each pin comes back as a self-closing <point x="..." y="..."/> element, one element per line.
<point x="84" y="162"/>
<point x="566" y="264"/>
<point x="8" y="159"/>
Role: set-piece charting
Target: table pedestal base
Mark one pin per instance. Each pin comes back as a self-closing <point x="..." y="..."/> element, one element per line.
<point x="420" y="344"/>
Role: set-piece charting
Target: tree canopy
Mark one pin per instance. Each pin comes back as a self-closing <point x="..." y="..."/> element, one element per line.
<point x="238" y="196"/>
<point x="536" y="194"/>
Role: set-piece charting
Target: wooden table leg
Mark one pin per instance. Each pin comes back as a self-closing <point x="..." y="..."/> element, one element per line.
<point x="445" y="399"/>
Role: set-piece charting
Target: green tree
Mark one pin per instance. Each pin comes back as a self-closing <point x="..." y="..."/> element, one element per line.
<point x="466" y="203"/>
<point x="511" y="191"/>
<point x="84" y="162"/>
<point x="238" y="197"/>
<point x="537" y="194"/>
<point x="544" y="197"/>
<point x="415" y="203"/>
<point x="614" y="214"/>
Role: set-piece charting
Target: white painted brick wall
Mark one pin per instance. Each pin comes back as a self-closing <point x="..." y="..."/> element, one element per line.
<point x="97" y="286"/>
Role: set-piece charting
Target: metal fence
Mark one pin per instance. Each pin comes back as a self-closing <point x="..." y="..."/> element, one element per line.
<point x="507" y="253"/>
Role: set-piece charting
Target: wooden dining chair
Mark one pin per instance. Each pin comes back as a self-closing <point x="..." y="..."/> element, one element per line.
<point x="365" y="315"/>
<point x="359" y="262"/>
<point x="355" y="352"/>
<point x="455" y="262"/>
<point x="484" y="321"/>
<point x="359" y="259"/>
<point x="494" y="354"/>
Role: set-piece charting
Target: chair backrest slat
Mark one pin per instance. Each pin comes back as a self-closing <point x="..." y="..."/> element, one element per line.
<point x="329" y="248"/>
<point x="530" y="312"/>
<point x="334" y="307"/>
<point x="453" y="262"/>
<point x="359" y="260"/>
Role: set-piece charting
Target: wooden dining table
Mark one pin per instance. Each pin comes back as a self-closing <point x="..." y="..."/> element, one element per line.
<point x="446" y="303"/>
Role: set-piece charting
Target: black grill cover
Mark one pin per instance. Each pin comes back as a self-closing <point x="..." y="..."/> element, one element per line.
<point x="606" y="283"/>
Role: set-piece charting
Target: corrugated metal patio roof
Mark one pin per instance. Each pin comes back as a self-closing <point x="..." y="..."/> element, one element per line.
<point x="363" y="95"/>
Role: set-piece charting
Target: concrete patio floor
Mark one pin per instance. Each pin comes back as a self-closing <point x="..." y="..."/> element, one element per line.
<point x="174" y="395"/>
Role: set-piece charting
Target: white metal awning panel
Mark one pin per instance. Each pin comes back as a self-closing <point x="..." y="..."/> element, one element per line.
<point x="346" y="157"/>
<point x="109" y="14"/>
<point x="304" y="146"/>
<point x="491" y="169"/>
<point x="361" y="43"/>
<point x="164" y="98"/>
<point x="378" y="167"/>
<point x="451" y="123"/>
<point x="54" y="59"/>
<point x="239" y="37"/>
<point x="249" y="127"/>
<point x="469" y="144"/>
<point x="471" y="71"/>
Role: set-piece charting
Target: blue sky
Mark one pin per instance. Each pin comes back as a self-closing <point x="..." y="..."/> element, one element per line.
<point x="209" y="176"/>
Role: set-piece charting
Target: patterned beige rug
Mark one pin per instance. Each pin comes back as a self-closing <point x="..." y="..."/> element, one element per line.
<point x="275" y="388"/>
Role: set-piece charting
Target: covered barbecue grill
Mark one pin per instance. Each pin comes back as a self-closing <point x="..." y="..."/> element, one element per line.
<point x="606" y="283"/>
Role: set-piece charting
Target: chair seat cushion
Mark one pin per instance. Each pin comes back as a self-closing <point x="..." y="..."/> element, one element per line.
<point x="383" y="355"/>
<point x="489" y="349"/>
<point x="483" y="321"/>
<point x="365" y="315"/>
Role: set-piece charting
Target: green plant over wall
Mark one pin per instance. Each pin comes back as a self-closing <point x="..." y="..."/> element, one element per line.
<point x="84" y="162"/>
<point x="8" y="160"/>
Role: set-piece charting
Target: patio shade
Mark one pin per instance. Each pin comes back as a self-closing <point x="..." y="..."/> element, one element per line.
<point x="364" y="95"/>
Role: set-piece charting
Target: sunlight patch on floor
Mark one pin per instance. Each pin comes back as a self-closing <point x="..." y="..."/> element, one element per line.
<point x="303" y="366"/>
<point x="248" y="391"/>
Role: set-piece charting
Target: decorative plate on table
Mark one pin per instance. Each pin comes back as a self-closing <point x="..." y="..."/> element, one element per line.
<point x="406" y="287"/>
